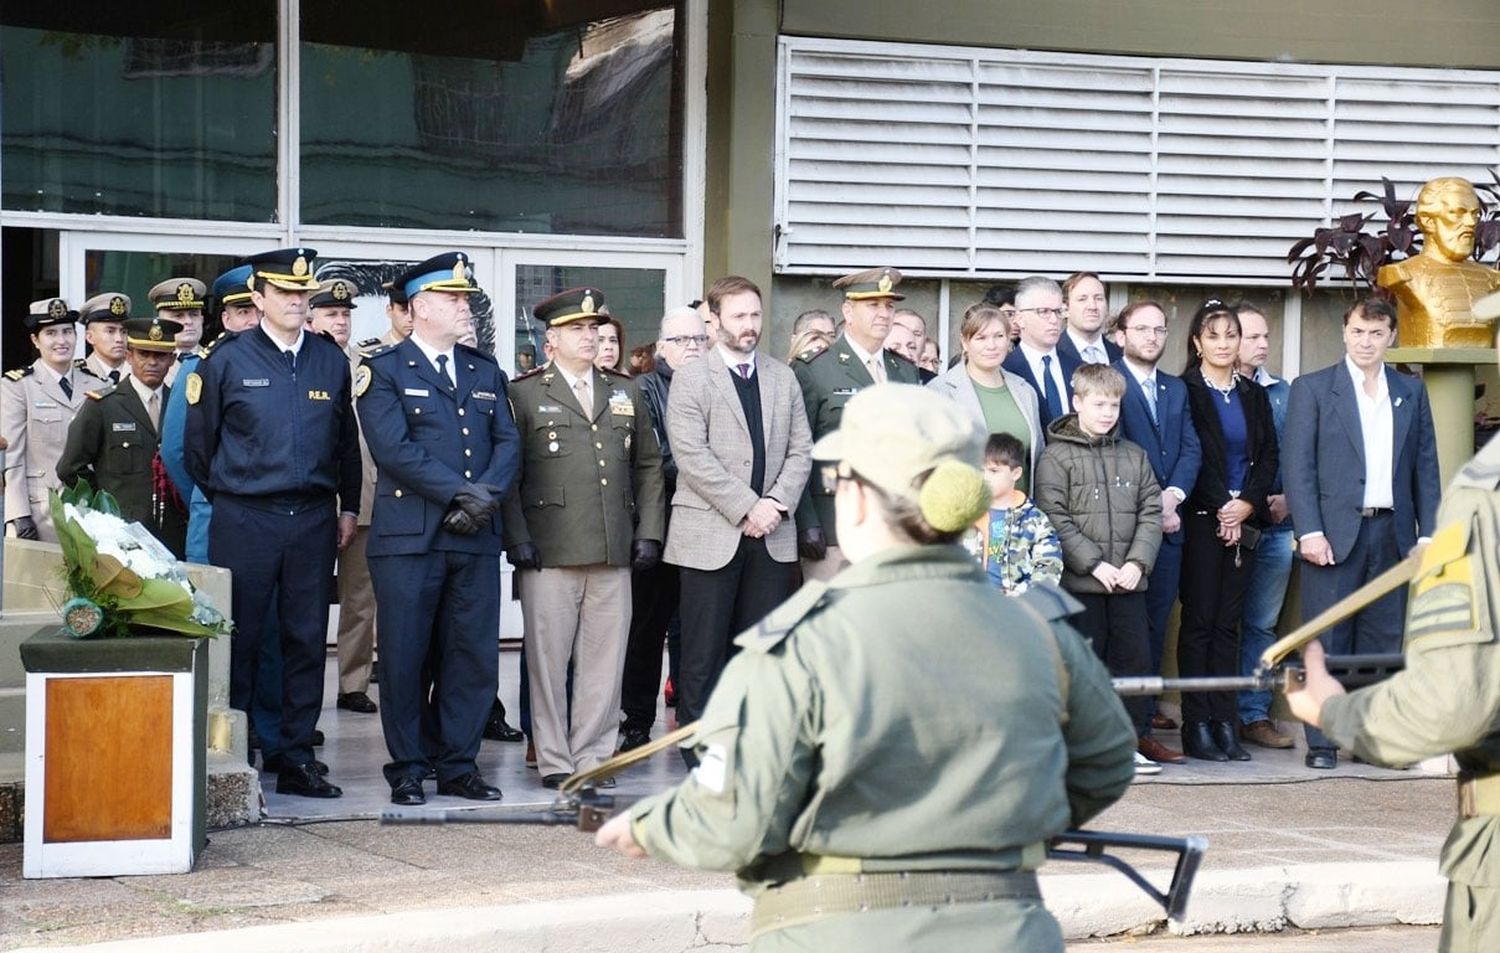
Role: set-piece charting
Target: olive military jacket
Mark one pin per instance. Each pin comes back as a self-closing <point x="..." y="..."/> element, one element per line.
<point x="591" y="484"/>
<point x="828" y="379"/>
<point x="824" y="738"/>
<point x="111" y="443"/>
<point x="1448" y="697"/>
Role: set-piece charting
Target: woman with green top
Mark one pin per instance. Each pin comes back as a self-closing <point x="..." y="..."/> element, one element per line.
<point x="998" y="400"/>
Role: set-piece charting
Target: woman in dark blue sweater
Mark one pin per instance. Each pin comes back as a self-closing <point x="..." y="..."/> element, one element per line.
<point x="1220" y="524"/>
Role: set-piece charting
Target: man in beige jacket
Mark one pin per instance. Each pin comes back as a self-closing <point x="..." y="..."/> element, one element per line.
<point x="739" y="433"/>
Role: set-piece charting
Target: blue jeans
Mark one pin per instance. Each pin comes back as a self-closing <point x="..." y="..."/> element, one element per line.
<point x="1263" y="599"/>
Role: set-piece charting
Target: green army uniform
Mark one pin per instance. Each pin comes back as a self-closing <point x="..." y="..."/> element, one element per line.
<point x="1448" y="698"/>
<point x="590" y="484"/>
<point x="825" y="753"/>
<point x="830" y="377"/>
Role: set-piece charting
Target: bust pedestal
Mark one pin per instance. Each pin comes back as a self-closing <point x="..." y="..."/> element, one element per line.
<point x="1448" y="373"/>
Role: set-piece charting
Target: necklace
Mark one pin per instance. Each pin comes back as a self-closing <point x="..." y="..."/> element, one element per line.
<point x="1224" y="392"/>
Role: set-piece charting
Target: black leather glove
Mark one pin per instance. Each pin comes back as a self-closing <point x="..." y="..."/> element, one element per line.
<point x="457" y="521"/>
<point x="25" y="528"/>
<point x="476" y="501"/>
<point x="644" y="554"/>
<point x="811" y="543"/>
<point x="525" y="556"/>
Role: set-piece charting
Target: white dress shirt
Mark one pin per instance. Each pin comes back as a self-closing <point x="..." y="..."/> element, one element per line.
<point x="1034" y="361"/>
<point x="864" y="357"/>
<point x="433" y="354"/>
<point x="1378" y="434"/>
<point x="733" y="359"/>
<point x="1102" y="353"/>
<point x="295" y="347"/>
<point x="145" y="394"/>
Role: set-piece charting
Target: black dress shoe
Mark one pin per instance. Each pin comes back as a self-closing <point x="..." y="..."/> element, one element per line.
<point x="304" y="780"/>
<point x="497" y="730"/>
<point x="317" y="741"/>
<point x="632" y="738"/>
<point x="1224" y="736"/>
<point x="1324" y="759"/>
<point x="356" y="701"/>
<point x="276" y="763"/>
<point x="471" y="786"/>
<point x="375" y="671"/>
<point x="1198" y="742"/>
<point x="553" y="781"/>
<point x="408" y="793"/>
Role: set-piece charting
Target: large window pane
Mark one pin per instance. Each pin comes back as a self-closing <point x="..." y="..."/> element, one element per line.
<point x="151" y="108"/>
<point x="465" y="119"/>
<point x="633" y="295"/>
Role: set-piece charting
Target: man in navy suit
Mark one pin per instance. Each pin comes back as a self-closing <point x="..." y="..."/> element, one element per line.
<point x="437" y="420"/>
<point x="1039" y="314"/>
<point x="1087" y="305"/>
<point x="1154" y="415"/>
<point x="1360" y="468"/>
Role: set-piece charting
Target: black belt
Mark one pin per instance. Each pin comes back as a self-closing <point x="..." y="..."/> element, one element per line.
<point x="288" y="503"/>
<point x="1369" y="512"/>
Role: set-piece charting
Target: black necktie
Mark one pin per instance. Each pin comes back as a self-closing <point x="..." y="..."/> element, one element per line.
<point x="291" y="362"/>
<point x="114" y="377"/>
<point x="67" y="386"/>
<point x="442" y="362"/>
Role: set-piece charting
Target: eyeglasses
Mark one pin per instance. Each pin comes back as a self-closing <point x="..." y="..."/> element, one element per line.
<point x="683" y="340"/>
<point x="1051" y="314"/>
<point x="1154" y="332"/>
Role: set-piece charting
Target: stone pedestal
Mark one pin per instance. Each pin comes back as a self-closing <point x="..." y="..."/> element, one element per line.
<point x="1448" y="373"/>
<point x="33" y="593"/>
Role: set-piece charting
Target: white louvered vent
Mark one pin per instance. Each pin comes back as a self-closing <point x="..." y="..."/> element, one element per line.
<point x="980" y="162"/>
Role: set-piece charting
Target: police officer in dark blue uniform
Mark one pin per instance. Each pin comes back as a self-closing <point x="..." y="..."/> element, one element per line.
<point x="272" y="442"/>
<point x="438" y="424"/>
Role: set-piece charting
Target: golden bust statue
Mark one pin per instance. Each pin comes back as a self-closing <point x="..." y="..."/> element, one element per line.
<point x="1436" y="290"/>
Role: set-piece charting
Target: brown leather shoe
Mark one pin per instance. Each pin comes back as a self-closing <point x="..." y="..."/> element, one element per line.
<point x="1264" y="733"/>
<point x="1157" y="751"/>
<point x="1163" y="723"/>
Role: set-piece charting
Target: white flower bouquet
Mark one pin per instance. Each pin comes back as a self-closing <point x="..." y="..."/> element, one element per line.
<point x="121" y="580"/>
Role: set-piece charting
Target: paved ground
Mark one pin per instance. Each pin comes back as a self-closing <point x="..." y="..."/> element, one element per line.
<point x="1383" y="940"/>
<point x="316" y="860"/>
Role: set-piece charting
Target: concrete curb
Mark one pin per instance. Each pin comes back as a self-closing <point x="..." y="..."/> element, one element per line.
<point x="1264" y="899"/>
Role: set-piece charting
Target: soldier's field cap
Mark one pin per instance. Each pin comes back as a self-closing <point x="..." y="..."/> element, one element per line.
<point x="1488" y="307"/>
<point x="178" y="294"/>
<point x="47" y="312"/>
<point x="336" y="293"/>
<point x="152" y="334"/>
<point x="108" y="306"/>
<point x="871" y="283"/>
<point x="287" y="268"/>
<point x="565" y="307"/>
<point x="233" y="286"/>
<point x="449" y="271"/>
<point x="892" y="434"/>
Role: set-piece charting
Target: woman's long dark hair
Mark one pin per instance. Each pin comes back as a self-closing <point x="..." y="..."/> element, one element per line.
<point x="1211" y="310"/>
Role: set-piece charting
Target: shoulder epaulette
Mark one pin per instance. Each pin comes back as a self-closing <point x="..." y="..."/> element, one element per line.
<point x="368" y="343"/>
<point x="779" y="623"/>
<point x="528" y="375"/>
<point x="901" y="357"/>
<point x="607" y="371"/>
<point x="476" y="352"/>
<point x="21" y="372"/>
<point x="811" y="354"/>
<point x="1051" y="602"/>
<point x="82" y="365"/>
<point x="223" y="338"/>
<point x="381" y="351"/>
<point x="200" y="352"/>
<point x="100" y="394"/>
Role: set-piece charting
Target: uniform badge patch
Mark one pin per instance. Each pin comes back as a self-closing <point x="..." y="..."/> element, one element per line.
<point x="194" y="387"/>
<point x="619" y="403"/>
<point x="361" y="380"/>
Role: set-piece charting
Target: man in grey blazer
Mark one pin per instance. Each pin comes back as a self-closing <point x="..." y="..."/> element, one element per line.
<point x="1359" y="464"/>
<point x="743" y="447"/>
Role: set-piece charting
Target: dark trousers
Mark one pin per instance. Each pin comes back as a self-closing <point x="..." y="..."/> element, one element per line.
<point x="438" y="615"/>
<point x="265" y="706"/>
<point x="717" y="605"/>
<point x="1213" y="597"/>
<point x="653" y="597"/>
<point x="1378" y="629"/>
<point x="284" y="559"/>
<point x="1116" y="625"/>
